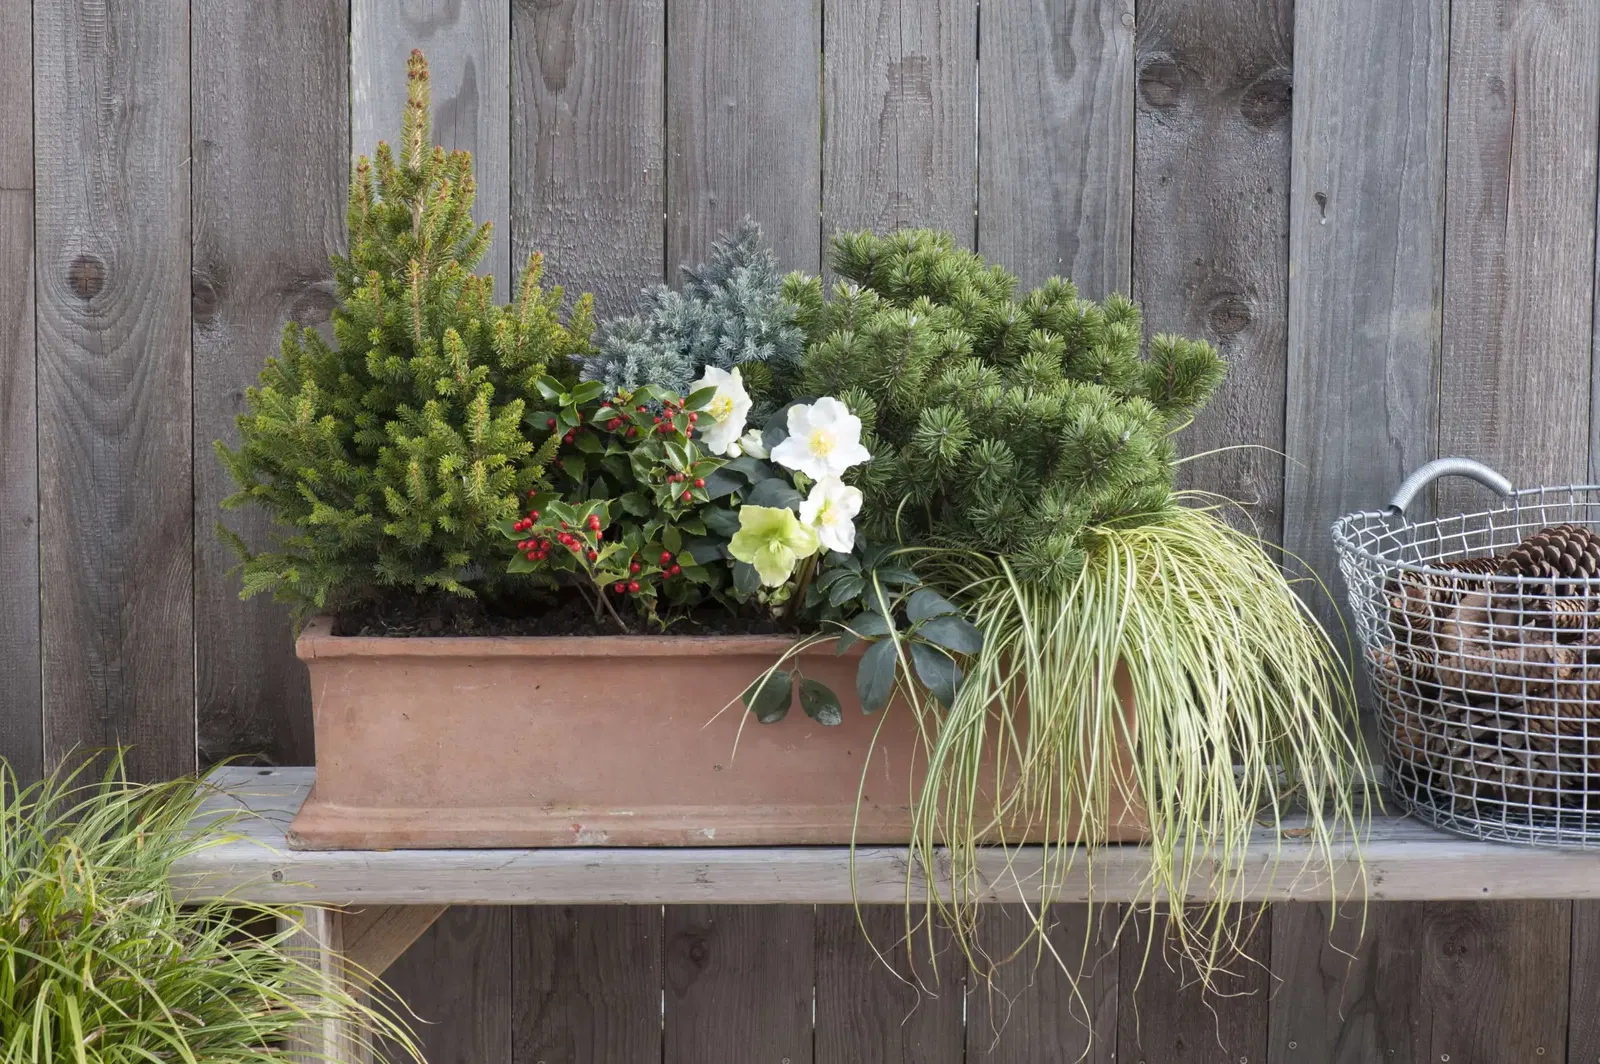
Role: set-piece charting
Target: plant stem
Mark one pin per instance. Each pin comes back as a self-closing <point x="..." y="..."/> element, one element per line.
<point x="801" y="584"/>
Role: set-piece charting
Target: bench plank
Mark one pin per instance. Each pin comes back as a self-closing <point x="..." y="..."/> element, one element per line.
<point x="1405" y="860"/>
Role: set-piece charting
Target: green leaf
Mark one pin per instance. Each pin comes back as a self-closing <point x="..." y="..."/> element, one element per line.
<point x="847" y="561"/>
<point x="751" y="468"/>
<point x="695" y="574"/>
<point x="692" y="526"/>
<point x="586" y="392"/>
<point x="746" y="581"/>
<point x="721" y="522"/>
<point x="672" y="539"/>
<point x="924" y="604"/>
<point x="550" y="388"/>
<point x="870" y="624"/>
<point x="820" y="703"/>
<point x="720" y="484"/>
<point x="635" y="504"/>
<point x="774" y="493"/>
<point x="845" y="589"/>
<point x="575" y="466"/>
<point x="769" y="696"/>
<point x="697" y="400"/>
<point x="875" y="677"/>
<point x="677" y="456"/>
<point x="892" y="577"/>
<point x="521" y="564"/>
<point x="952" y="633"/>
<point x="506" y="530"/>
<point x="937" y="671"/>
<point x="776" y="430"/>
<point x="588" y="443"/>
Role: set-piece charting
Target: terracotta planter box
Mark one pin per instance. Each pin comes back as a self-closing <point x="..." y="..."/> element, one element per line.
<point x="603" y="741"/>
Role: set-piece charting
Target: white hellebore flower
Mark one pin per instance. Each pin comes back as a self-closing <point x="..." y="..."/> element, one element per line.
<point x="831" y="509"/>
<point x="824" y="440"/>
<point x="750" y="444"/>
<point x="727" y="410"/>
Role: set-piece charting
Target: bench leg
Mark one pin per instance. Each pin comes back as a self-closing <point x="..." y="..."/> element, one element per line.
<point x="352" y="947"/>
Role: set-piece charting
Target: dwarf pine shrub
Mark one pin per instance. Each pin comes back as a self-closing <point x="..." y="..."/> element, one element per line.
<point x="1000" y="421"/>
<point x="388" y="456"/>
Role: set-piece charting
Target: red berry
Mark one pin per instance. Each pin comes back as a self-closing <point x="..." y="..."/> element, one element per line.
<point x="632" y="432"/>
<point x="685" y="496"/>
<point x="567" y="438"/>
<point x="699" y="482"/>
<point x="532" y="492"/>
<point x="675" y="570"/>
<point x="619" y="588"/>
<point x="666" y="557"/>
<point x="533" y="556"/>
<point x="563" y="524"/>
<point x="613" y="423"/>
<point x="594" y="521"/>
<point x="533" y="515"/>
<point x="640" y="409"/>
<point x="693" y="417"/>
<point x="634" y="568"/>
<point x="633" y="586"/>
<point x="550" y="424"/>
<point x="594" y="556"/>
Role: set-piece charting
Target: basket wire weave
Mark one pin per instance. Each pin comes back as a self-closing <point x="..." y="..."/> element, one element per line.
<point x="1488" y="685"/>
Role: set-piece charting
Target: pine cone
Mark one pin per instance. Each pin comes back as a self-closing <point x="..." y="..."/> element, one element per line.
<point x="1563" y="555"/>
<point x="1418" y="602"/>
<point x="1475" y="655"/>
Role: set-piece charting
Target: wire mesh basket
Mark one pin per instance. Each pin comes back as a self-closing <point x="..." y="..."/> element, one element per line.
<point x="1488" y="682"/>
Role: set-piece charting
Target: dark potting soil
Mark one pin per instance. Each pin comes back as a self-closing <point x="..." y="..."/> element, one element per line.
<point x="565" y="613"/>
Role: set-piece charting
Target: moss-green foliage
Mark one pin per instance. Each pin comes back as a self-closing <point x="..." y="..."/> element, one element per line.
<point x="731" y="312"/>
<point x="1002" y="421"/>
<point x="389" y="455"/>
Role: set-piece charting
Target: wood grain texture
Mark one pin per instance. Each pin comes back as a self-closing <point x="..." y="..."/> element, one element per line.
<point x="116" y="492"/>
<point x="877" y="1001"/>
<point x="1344" y="997"/>
<point x="270" y="168"/>
<point x="1055" y="121"/>
<point x="376" y="936"/>
<point x="1038" y="1009"/>
<point x="1166" y="1017"/>
<point x="901" y="148"/>
<point x="21" y="719"/>
<point x="744" y="133"/>
<point x="1520" y="241"/>
<point x="1583" y="1029"/>
<point x="317" y="939"/>
<point x="1211" y="224"/>
<point x="1366" y="233"/>
<point x="740" y="978"/>
<point x="587" y="151"/>
<point x="588" y="984"/>
<point x="16" y="96"/>
<point x="468" y="45"/>
<point x="457" y="979"/>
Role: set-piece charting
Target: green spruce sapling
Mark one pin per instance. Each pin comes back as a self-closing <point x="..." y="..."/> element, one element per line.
<point x="389" y="456"/>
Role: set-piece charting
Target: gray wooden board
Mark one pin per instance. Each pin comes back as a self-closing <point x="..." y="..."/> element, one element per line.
<point x="1366" y="235"/>
<point x="1042" y="1007"/>
<point x="1055" y="120"/>
<point x="588" y="984"/>
<point x="468" y="45"/>
<point x="1520" y="241"/>
<point x="740" y="978"/>
<point x="1211" y="225"/>
<point x="115" y="444"/>
<point x="21" y="720"/>
<point x="901" y="147"/>
<point x="879" y="1002"/>
<point x="16" y="96"/>
<point x="1405" y="861"/>
<point x="456" y="978"/>
<point x="587" y="154"/>
<point x="269" y="171"/>
<point x="1166" y="1016"/>
<point x="744" y="134"/>
<point x="1347" y="991"/>
<point x="1583" y="1021"/>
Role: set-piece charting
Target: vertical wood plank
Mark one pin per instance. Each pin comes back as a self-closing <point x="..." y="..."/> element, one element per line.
<point x="739" y="983"/>
<point x="1366" y="230"/>
<point x="587" y="151"/>
<point x="744" y="126"/>
<point x="457" y="979"/>
<point x="871" y="1014"/>
<point x="21" y="723"/>
<point x="1211" y="223"/>
<point x="1032" y="1013"/>
<point x="1496" y="979"/>
<point x="1055" y="125"/>
<point x="1344" y="997"/>
<point x="318" y="938"/>
<point x="1520" y="240"/>
<point x="1166" y="1017"/>
<point x="1583" y="1031"/>
<point x="588" y="984"/>
<point x="468" y="44"/>
<point x="270" y="166"/>
<point x="115" y="432"/>
<point x="901" y="144"/>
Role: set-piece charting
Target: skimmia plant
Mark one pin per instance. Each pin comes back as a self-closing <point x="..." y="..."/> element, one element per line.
<point x="101" y="964"/>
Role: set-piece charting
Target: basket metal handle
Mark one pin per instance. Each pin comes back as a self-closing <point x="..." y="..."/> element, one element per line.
<point x="1445" y="467"/>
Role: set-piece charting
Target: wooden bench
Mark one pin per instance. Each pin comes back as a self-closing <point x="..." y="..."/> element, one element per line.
<point x="362" y="909"/>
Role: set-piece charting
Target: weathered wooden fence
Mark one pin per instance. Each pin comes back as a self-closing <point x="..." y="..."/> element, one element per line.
<point x="1382" y="210"/>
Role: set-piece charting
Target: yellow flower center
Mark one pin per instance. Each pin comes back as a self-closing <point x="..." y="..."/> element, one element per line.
<point x="821" y="442"/>
<point x="721" y="408"/>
